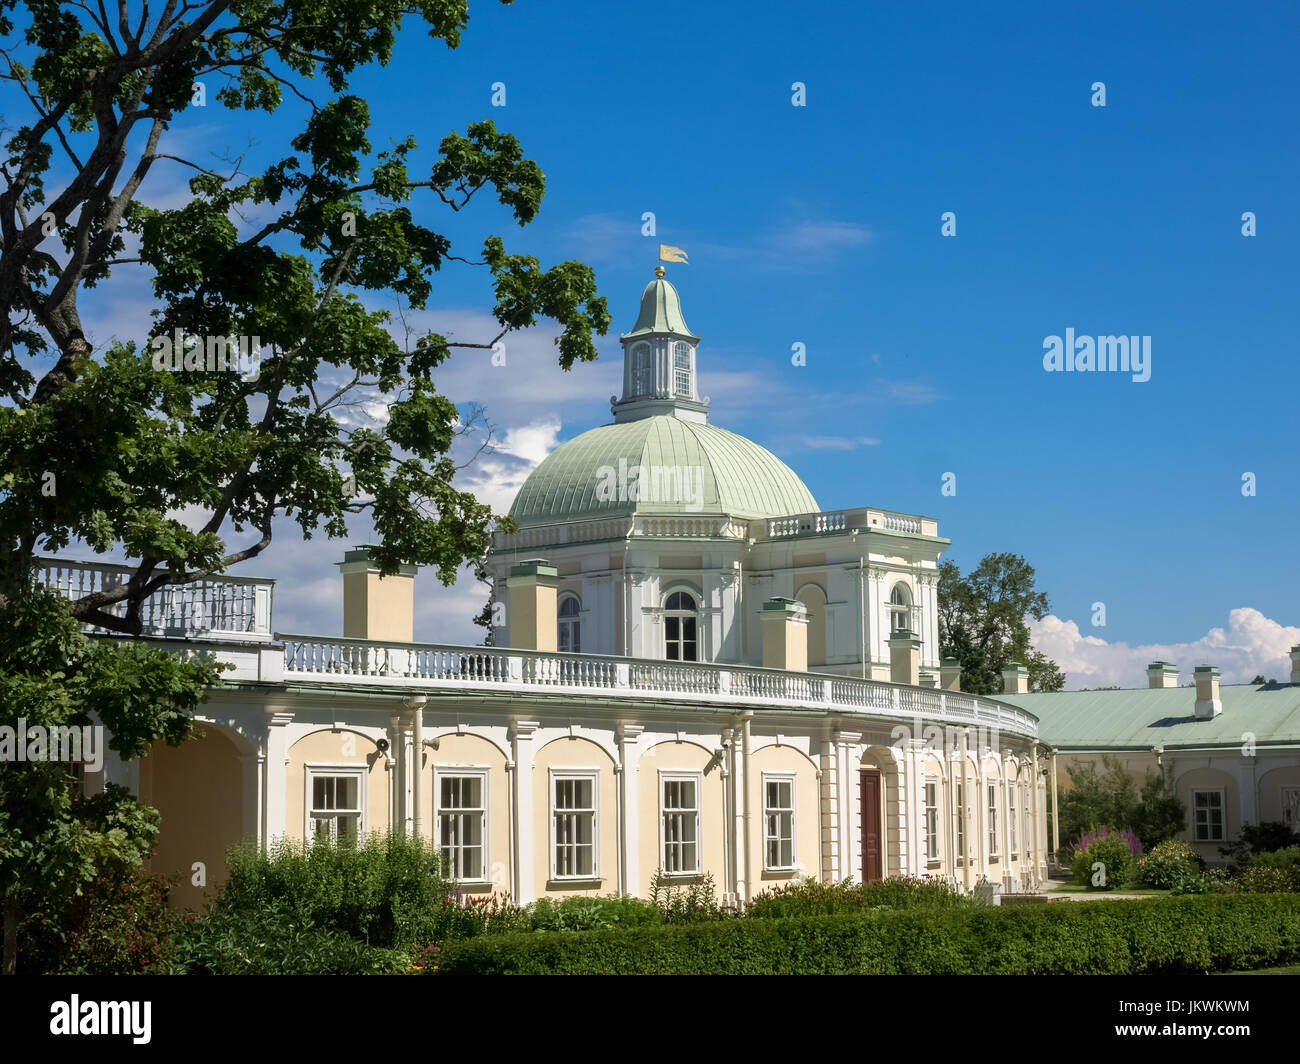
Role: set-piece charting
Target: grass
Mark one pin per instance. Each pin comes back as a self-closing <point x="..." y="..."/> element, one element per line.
<point x="1075" y="888"/>
<point x="1286" y="969"/>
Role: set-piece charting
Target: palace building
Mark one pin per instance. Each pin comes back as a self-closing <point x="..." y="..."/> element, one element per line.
<point x="697" y="672"/>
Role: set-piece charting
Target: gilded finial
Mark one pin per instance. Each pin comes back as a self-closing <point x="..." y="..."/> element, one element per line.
<point x="659" y="271"/>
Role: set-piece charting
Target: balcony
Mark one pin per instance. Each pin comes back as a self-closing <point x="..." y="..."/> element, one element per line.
<point x="832" y="522"/>
<point x="445" y="667"/>
<point x="223" y="608"/>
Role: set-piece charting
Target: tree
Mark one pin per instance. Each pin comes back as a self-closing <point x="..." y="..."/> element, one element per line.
<point x="1111" y="799"/>
<point x="234" y="402"/>
<point x="982" y="623"/>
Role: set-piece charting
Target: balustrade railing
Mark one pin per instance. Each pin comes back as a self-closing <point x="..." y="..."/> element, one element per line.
<point x="440" y="665"/>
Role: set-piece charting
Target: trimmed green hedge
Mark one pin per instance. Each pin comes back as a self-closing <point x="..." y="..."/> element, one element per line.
<point x="1149" y="936"/>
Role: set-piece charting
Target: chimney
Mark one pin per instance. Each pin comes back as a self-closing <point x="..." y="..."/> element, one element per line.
<point x="1015" y="679"/>
<point x="950" y="674"/>
<point x="1208" y="705"/>
<point x="929" y="678"/>
<point x="374" y="606"/>
<point x="904" y="657"/>
<point x="530" y="607"/>
<point x="785" y="634"/>
<point x="1295" y="664"/>
<point x="1162" y="674"/>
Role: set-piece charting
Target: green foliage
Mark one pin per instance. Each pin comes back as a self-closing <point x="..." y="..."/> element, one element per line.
<point x="1254" y="839"/>
<point x="118" y="925"/>
<point x="386" y="891"/>
<point x="982" y="623"/>
<point x="1165" y="870"/>
<point x="592" y="914"/>
<point x="1207" y="881"/>
<point x="825" y="899"/>
<point x="1111" y="797"/>
<point x="1272" y="870"/>
<point x="1113" y="853"/>
<point x="685" y="902"/>
<point x="1150" y="936"/>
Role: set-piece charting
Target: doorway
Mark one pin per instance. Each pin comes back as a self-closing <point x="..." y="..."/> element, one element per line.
<point x="872" y="864"/>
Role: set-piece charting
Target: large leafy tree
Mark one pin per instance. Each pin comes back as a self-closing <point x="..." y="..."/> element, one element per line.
<point x="98" y="445"/>
<point x="982" y="623"/>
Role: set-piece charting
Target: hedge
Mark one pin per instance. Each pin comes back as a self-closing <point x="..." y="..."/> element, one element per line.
<point x="1149" y="936"/>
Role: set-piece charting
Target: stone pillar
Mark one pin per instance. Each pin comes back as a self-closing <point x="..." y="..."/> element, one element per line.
<point x="1208" y="705"/>
<point x="524" y="859"/>
<point x="950" y="674"/>
<point x="904" y="658"/>
<point x="1162" y="674"/>
<point x="531" y="611"/>
<point x="374" y="606"/>
<point x="1295" y="664"/>
<point x="1015" y="679"/>
<point x="785" y="634"/>
<point x="627" y="737"/>
<point x="276" y="748"/>
<point x="832" y="867"/>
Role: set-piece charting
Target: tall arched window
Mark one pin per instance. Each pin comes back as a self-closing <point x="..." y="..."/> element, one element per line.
<point x="570" y="634"/>
<point x="680" y="642"/>
<point x="642" y="370"/>
<point x="682" y="369"/>
<point x="900" y="608"/>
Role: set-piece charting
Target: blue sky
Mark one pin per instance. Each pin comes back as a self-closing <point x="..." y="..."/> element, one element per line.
<point x="821" y="225"/>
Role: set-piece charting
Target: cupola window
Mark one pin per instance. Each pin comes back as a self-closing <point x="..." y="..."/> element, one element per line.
<point x="682" y="369"/>
<point x="642" y="371"/>
<point x="680" y="623"/>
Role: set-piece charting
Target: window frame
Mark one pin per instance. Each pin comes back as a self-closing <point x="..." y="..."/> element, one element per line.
<point x="484" y="775"/>
<point x="573" y="621"/>
<point x="681" y="348"/>
<point x="994" y="850"/>
<point x="316" y="770"/>
<point x="790" y="778"/>
<point x="930" y="820"/>
<point x="1282" y="798"/>
<point x="959" y="827"/>
<point x="900" y="609"/>
<point x="1012" y="789"/>
<point x="669" y="613"/>
<point x="1221" y="792"/>
<point x="681" y="776"/>
<point x="557" y="775"/>
<point x="643" y="370"/>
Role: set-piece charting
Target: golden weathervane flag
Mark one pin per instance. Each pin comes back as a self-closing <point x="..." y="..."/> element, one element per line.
<point x="668" y="253"/>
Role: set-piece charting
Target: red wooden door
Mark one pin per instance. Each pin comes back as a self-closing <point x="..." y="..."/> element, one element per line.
<point x="871" y="856"/>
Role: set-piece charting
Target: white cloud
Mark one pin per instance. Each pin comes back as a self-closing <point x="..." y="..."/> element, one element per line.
<point x="1251" y="644"/>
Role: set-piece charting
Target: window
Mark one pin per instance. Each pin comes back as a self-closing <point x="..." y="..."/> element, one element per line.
<point x="680" y="628"/>
<point x="679" y="803"/>
<point x="570" y="633"/>
<point x="462" y="822"/>
<point x="778" y="823"/>
<point x="334" y="803"/>
<point x="642" y="370"/>
<point x="900" y="609"/>
<point x="573" y="821"/>
<point x="959" y="818"/>
<point x="993" y="819"/>
<point x="1291" y="807"/>
<point x="1207" y="808"/>
<point x="931" y="820"/>
<point x="682" y="369"/>
<point x="1011" y="815"/>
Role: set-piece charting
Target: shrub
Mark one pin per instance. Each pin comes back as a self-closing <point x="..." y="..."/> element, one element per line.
<point x="685" y="903"/>
<point x="118" y="925"/>
<point x="1151" y="936"/>
<point x="274" y="941"/>
<point x="1168" y="865"/>
<point x="813" y="898"/>
<point x="1278" y="870"/>
<point x="383" y="891"/>
<point x="1268" y="837"/>
<point x="1209" y="881"/>
<point x="592" y="914"/>
<point x="1115" y="851"/>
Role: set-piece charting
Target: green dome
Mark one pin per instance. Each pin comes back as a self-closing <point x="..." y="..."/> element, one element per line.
<point x="738" y="477"/>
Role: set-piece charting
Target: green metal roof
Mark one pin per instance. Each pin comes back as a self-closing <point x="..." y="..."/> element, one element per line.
<point x="661" y="312"/>
<point x="739" y="478"/>
<point x="1162" y="716"/>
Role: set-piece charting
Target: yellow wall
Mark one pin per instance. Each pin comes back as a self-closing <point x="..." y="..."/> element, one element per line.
<point x="324" y="748"/>
<point x="197" y="788"/>
<point x="679" y="757"/>
<point x="471" y="751"/>
<point x="575" y="753"/>
<point x="807" y="808"/>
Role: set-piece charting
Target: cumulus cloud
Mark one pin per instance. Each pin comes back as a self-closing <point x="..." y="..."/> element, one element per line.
<point x="1250" y="645"/>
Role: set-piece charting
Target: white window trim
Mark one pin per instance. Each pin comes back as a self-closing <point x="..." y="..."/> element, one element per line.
<point x="555" y="775"/>
<point x="1222" y="792"/>
<point x="991" y="811"/>
<point x="485" y="774"/>
<point x="697" y="596"/>
<point x="937" y="856"/>
<point x="575" y="620"/>
<point x="361" y="772"/>
<point x="792" y="779"/>
<point x="1012" y="812"/>
<point x="666" y="776"/>
<point x="1282" y="793"/>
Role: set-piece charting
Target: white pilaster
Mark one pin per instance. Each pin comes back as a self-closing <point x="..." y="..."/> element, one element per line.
<point x="524" y="858"/>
